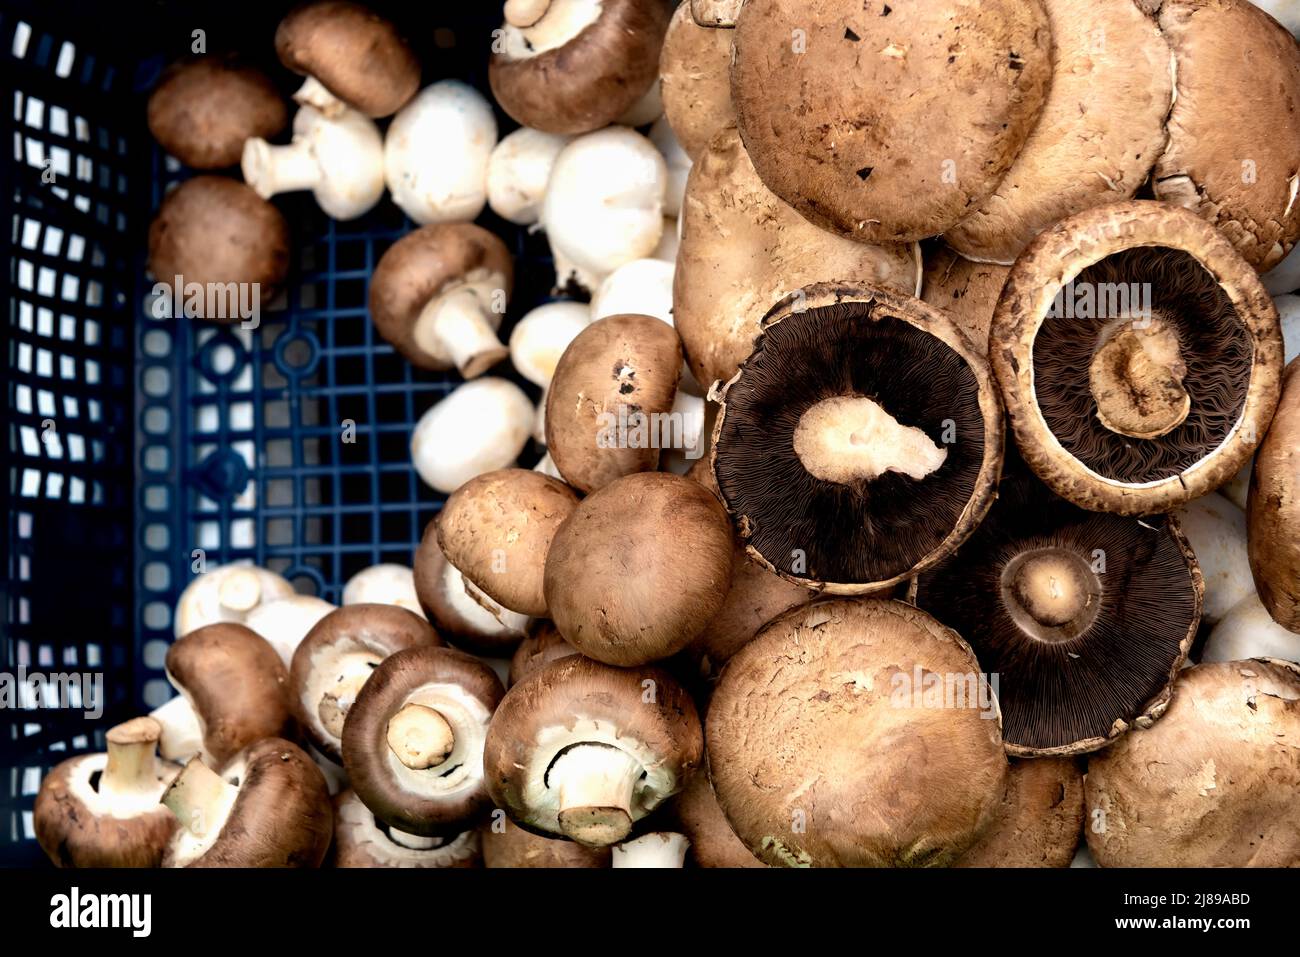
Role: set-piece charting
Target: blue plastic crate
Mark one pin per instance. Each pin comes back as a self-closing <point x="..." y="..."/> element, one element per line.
<point x="133" y="440"/>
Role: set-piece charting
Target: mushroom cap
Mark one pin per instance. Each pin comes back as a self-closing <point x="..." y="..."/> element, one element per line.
<point x="362" y="841"/>
<point x="282" y="816"/>
<point x="1084" y="617"/>
<point x="482" y="425"/>
<point x="450" y="796"/>
<point x="1040" y="819"/>
<point x="468" y="618"/>
<point x="284" y="622"/>
<point x="543" y="645"/>
<point x="1249" y="631"/>
<point x="1213" y="783"/>
<point x="1273" y="509"/>
<point x="211" y="229"/>
<point x="642" y="712"/>
<point x="581" y="66"/>
<point x="1216" y="531"/>
<point x="518" y="171"/>
<point x="237" y="684"/>
<point x="355" y="53"/>
<point x="227" y="593"/>
<point x="370" y="632"/>
<point x="676" y="537"/>
<point x="696" y="814"/>
<point x="831" y="342"/>
<point x="1232" y="346"/>
<point x="887" y="128"/>
<point x="743" y="249"/>
<point x="1237" y="168"/>
<point x="966" y="291"/>
<point x="424" y="264"/>
<point x="203" y="109"/>
<point x="497" y="529"/>
<point x="695" y="81"/>
<point x="823" y="753"/>
<point x="1106" y="54"/>
<point x="387" y="583"/>
<point x="540" y="337"/>
<point x="615" y="371"/>
<point x="506" y="844"/>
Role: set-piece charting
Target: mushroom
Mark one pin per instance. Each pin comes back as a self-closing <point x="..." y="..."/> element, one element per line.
<point x="1288" y="310"/>
<point x="1216" y="531"/>
<point x="1238" y="169"/>
<point x="278" y="815"/>
<point x="585" y="750"/>
<point x="713" y="843"/>
<point x="966" y="291"/>
<point x="887" y="128"/>
<point x="1078" y="157"/>
<point x="481" y="426"/>
<point x="227" y="593"/>
<point x="236" y="684"/>
<point x="1249" y="631"/>
<point x="715" y="13"/>
<point x="211" y="232"/>
<point x="101" y="810"/>
<point x="1085" y="617"/>
<point x="642" y="286"/>
<point x="573" y="66"/>
<point x="1283" y="278"/>
<point x="284" y="622"/>
<point x="541" y="336"/>
<point x="645" y="110"/>
<point x="384" y="584"/>
<point x="460" y="611"/>
<point x="339" y="158"/>
<point x="336" y="659"/>
<point x="1273" y="509"/>
<point x="541" y="646"/>
<point x="678" y="164"/>
<point x="676" y="536"/>
<point x="518" y="171"/>
<point x="497" y="529"/>
<point x="438" y="295"/>
<point x="656" y="849"/>
<point x="1039" y="820"/>
<point x="604" y="204"/>
<point x="362" y="840"/>
<point x="695" y="81"/>
<point x="436" y="153"/>
<point x="1138" y="355"/>
<point x="413" y="740"/>
<point x="351" y="57"/>
<point x="204" y="108"/>
<point x="827" y="446"/>
<point x="743" y="249"/>
<point x="1285" y="12"/>
<point x="506" y="844"/>
<point x="181" y="737"/>
<point x="1213" y="783"/>
<point x="828" y="747"/>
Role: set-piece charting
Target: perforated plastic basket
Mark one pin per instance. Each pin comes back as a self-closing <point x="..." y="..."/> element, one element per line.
<point x="135" y="441"/>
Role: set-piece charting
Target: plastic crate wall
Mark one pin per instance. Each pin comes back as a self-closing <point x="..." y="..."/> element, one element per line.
<point x="195" y="441"/>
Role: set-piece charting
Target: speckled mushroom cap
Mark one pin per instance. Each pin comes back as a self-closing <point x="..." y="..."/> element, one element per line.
<point x="641" y="713"/>
<point x="1213" y="784"/>
<point x="497" y="529"/>
<point x="966" y="292"/>
<point x="1040" y="820"/>
<point x="1098" y="136"/>
<point x="353" y="52"/>
<point x="203" y="109"/>
<point x="887" y="122"/>
<point x="581" y="66"/>
<point x="1234" y="134"/>
<point x="696" y="814"/>
<point x="428" y="263"/>
<point x="211" y="229"/>
<point x="362" y="841"/>
<point x="1047" y="342"/>
<point x="742" y="249"/>
<point x="813" y="513"/>
<point x="827" y="748"/>
<point x="1273" y="510"/>
<point x="506" y="844"/>
<point x="695" y="81"/>
<point x="543" y="645"/>
<point x="237" y="684"/>
<point x="448" y="795"/>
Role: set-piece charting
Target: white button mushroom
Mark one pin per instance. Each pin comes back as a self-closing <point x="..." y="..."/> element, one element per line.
<point x="1216" y="530"/>
<point x="669" y="241"/>
<point x="679" y="165"/>
<point x="285" y="622"/>
<point x="657" y="849"/>
<point x="1285" y="276"/>
<point x="542" y="335"/>
<point x="483" y="425"/>
<point x="1288" y="309"/>
<point x="341" y="160"/>
<point x="643" y="285"/>
<point x="1249" y="631"/>
<point x="385" y="584"/>
<point x="436" y="154"/>
<point x="518" y="171"/>
<point x="226" y="593"/>
<point x="1285" y="12"/>
<point x="645" y="110"/>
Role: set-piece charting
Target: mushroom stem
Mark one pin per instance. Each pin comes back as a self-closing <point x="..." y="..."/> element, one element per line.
<point x="1137" y="380"/>
<point x="240" y="590"/>
<point x="182" y="735"/>
<point x="595" y="784"/>
<point x="314" y="93"/>
<point x="270" y="170"/>
<point x="458" y="323"/>
<point x="200" y="799"/>
<point x="420" y="737"/>
<point x="1050" y="588"/>
<point x="132" y="767"/>
<point x="524" y="13"/>
<point x="660" y="849"/>
<point x="414" y="841"/>
<point x="851" y="438"/>
<point x="335" y="703"/>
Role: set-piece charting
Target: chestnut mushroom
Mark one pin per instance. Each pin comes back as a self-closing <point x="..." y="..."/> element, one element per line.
<point x="1273" y="509"/>
<point x="462" y="613"/>
<point x="695" y="81"/>
<point x="713" y="843"/>
<point x="541" y="646"/>
<point x="506" y="844"/>
<point x="362" y="840"/>
<point x="967" y="292"/>
<point x="1040" y="820"/>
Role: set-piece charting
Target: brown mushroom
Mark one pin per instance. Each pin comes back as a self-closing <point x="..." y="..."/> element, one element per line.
<point x="438" y="295"/>
<point x="639" y="568"/>
<point x="506" y="844"/>
<point x="1273" y="510"/>
<point x="696" y="814"/>
<point x="543" y="645"/>
<point x="102" y="810"/>
<point x="1138" y="355"/>
<point x="203" y="109"/>
<point x="967" y="292"/>
<point x="413" y="740"/>
<point x="1213" y="783"/>
<point x="362" y="840"/>
<point x="856" y="732"/>
<point x="585" y="750"/>
<point x="337" y="657"/>
<point x="1040" y="820"/>
<point x="715" y="13"/>
<point x="460" y="612"/>
<point x="695" y="81"/>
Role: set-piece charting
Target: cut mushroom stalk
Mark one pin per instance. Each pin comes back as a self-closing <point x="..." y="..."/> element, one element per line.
<point x="420" y="737"/>
<point x="200" y="799"/>
<point x="458" y="324"/>
<point x="595" y="783"/>
<point x="660" y="849"/>
<point x="846" y="439"/>
<point x="131" y="771"/>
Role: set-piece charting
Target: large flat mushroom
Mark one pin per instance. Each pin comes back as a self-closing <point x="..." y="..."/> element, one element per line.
<point x="966" y="291"/>
<point x="695" y="80"/>
<point x="1040" y="820"/>
<point x="1274" y="509"/>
